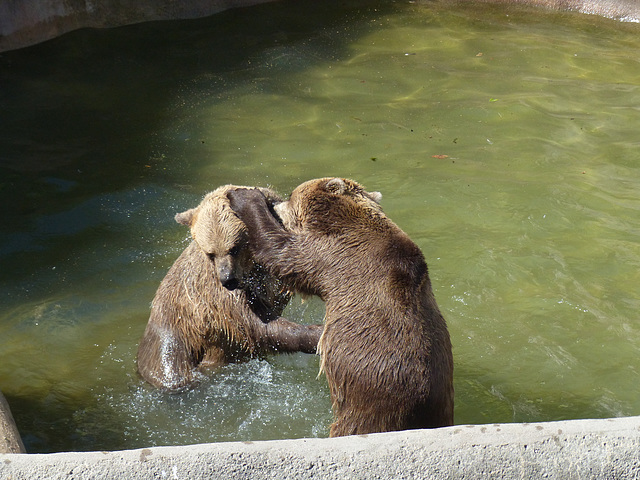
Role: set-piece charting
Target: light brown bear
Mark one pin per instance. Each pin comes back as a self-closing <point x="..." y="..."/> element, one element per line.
<point x="216" y="305"/>
<point x="385" y="348"/>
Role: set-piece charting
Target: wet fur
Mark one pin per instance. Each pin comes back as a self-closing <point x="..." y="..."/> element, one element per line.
<point x="385" y="348"/>
<point x="196" y="322"/>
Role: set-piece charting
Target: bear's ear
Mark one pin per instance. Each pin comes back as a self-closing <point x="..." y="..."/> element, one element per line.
<point x="375" y="196"/>
<point x="186" y="218"/>
<point x="336" y="186"/>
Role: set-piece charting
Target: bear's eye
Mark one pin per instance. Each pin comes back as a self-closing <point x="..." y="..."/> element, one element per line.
<point x="235" y="251"/>
<point x="211" y="256"/>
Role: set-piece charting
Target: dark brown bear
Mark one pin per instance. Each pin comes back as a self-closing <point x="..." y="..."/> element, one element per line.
<point x="216" y="305"/>
<point x="385" y="348"/>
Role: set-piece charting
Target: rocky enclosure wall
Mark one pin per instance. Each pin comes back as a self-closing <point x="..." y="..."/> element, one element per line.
<point x="10" y="441"/>
<point x="26" y="22"/>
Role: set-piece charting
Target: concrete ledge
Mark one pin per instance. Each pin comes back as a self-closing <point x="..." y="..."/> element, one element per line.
<point x="584" y="449"/>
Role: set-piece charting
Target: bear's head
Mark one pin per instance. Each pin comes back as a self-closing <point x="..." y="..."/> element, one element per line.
<point x="323" y="203"/>
<point x="222" y="236"/>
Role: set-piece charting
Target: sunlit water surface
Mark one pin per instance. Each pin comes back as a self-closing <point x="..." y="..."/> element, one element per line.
<point x="505" y="143"/>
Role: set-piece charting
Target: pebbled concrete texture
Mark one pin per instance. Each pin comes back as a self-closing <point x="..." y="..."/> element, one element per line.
<point x="576" y="449"/>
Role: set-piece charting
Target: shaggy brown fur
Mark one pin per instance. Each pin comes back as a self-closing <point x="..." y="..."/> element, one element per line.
<point x="385" y="348"/>
<point x="216" y="305"/>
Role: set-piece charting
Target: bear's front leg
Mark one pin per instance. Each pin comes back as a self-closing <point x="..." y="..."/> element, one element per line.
<point x="251" y="206"/>
<point x="271" y="245"/>
<point x="283" y="335"/>
<point x="164" y="360"/>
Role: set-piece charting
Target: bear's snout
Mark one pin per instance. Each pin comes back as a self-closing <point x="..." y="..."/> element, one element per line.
<point x="227" y="273"/>
<point x="231" y="284"/>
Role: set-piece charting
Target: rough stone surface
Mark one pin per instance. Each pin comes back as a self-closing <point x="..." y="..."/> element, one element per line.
<point x="24" y="23"/>
<point x="10" y="441"/>
<point x="578" y="449"/>
<point x="622" y="10"/>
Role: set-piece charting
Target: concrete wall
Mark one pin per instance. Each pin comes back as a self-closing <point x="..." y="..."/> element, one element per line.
<point x="579" y="449"/>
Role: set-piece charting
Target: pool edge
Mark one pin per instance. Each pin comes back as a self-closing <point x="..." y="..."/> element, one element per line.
<point x="590" y="448"/>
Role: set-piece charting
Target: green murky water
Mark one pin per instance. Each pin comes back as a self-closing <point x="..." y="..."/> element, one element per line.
<point x="504" y="141"/>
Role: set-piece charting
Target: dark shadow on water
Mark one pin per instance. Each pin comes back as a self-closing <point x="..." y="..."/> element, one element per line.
<point x="81" y="116"/>
<point x="49" y="425"/>
<point x="81" y="113"/>
<point x="86" y="101"/>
